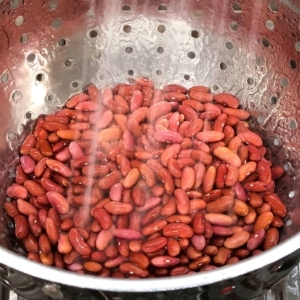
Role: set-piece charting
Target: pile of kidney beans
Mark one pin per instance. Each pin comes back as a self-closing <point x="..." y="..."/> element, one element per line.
<point x="138" y="182"/>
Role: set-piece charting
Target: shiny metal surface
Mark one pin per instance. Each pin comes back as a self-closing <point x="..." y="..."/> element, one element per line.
<point x="52" y="49"/>
<point x="288" y="288"/>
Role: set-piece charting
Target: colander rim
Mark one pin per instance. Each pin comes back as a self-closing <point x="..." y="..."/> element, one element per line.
<point x="52" y="274"/>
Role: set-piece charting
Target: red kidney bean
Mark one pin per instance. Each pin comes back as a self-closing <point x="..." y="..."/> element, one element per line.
<point x="21" y="227"/>
<point x="51" y="230"/>
<point x="200" y="262"/>
<point x="221" y="257"/>
<point x="164" y="261"/>
<point x="154" y="245"/>
<point x="78" y="243"/>
<point x="150" y="216"/>
<point x="198" y="242"/>
<point x="154" y="227"/>
<point x="50" y="185"/>
<point x="271" y="239"/>
<point x="103" y="217"/>
<point x="182" y="199"/>
<point x="44" y="244"/>
<point x="59" y="168"/>
<point x="178" y="230"/>
<point x="17" y="191"/>
<point x="123" y="247"/>
<point x="64" y="246"/>
<point x="30" y="243"/>
<point x="132" y="269"/>
<point x="256" y="239"/>
<point x="11" y="209"/>
<point x="104" y="238"/>
<point x="208" y="230"/>
<point x="173" y="247"/>
<point x="142" y="187"/>
<point x="27" y="163"/>
<point x="26" y="208"/>
<point x="59" y="202"/>
<point x="127" y="234"/>
<point x="192" y="253"/>
<point x="34" y="225"/>
<point x="21" y="177"/>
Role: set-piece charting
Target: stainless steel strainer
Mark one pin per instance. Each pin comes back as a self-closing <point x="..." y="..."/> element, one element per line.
<point x="52" y="49"/>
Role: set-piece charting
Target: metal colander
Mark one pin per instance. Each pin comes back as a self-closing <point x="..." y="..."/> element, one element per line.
<point x="52" y="49"/>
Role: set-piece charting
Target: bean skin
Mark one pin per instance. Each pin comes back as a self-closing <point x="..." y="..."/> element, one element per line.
<point x="137" y="182"/>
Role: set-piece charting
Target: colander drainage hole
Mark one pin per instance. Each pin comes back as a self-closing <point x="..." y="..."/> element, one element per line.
<point x="56" y="23"/>
<point x="293" y="124"/>
<point x="293" y="64"/>
<point x="162" y="8"/>
<point x="191" y="55"/>
<point x="161" y="28"/>
<point x="292" y="194"/>
<point x="215" y="87"/>
<point x="273" y="100"/>
<point x="68" y="63"/>
<point x="4" y="77"/>
<point x="93" y="34"/>
<point x="14" y="3"/>
<point x="259" y="61"/>
<point x="130" y="72"/>
<point x="126" y="7"/>
<point x="234" y="26"/>
<point x="29" y="115"/>
<point x="90" y="14"/>
<point x="52" y="5"/>
<point x="31" y="57"/>
<point x="265" y="42"/>
<point x="10" y="225"/>
<point x="284" y="82"/>
<point x="24" y="38"/>
<point x="160" y="50"/>
<point x="97" y="54"/>
<point x="158" y="72"/>
<point x="128" y="50"/>
<point x="250" y="81"/>
<point x="16" y="96"/>
<point x="195" y="34"/>
<point x="223" y="66"/>
<point x="75" y="84"/>
<point x="50" y="98"/>
<point x="187" y="77"/>
<point x="270" y="25"/>
<point x="198" y="14"/>
<point x="127" y="28"/>
<point x="229" y="46"/>
<point x="260" y="120"/>
<point x="12" y="136"/>
<point x="297" y="46"/>
<point x="236" y="8"/>
<point x="40" y="77"/>
<point x="19" y="21"/>
<point x="277" y="141"/>
<point x="62" y="42"/>
<point x="273" y="6"/>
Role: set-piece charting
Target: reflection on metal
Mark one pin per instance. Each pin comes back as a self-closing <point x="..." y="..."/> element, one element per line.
<point x="286" y="289"/>
<point x="226" y="45"/>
